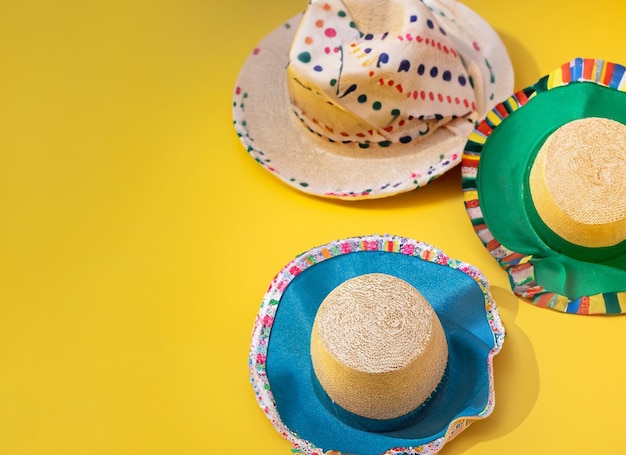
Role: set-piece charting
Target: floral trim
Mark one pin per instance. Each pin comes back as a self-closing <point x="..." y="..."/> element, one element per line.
<point x="519" y="266"/>
<point x="385" y="243"/>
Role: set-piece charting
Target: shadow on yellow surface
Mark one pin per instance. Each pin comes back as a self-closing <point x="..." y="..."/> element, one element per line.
<point x="515" y="368"/>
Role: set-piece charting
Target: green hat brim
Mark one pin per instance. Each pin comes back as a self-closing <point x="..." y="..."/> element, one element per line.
<point x="496" y="164"/>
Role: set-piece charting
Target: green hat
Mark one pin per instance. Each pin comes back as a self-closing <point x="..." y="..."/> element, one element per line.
<point x="544" y="180"/>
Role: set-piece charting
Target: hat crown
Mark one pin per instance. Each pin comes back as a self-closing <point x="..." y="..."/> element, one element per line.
<point x="373" y="324"/>
<point x="578" y="182"/>
<point x="372" y="71"/>
<point x="377" y="347"/>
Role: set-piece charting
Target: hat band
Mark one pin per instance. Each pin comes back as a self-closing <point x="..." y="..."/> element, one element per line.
<point x="364" y="139"/>
<point x="366" y="423"/>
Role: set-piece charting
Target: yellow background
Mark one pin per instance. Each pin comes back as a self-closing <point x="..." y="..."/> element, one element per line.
<point x="137" y="237"/>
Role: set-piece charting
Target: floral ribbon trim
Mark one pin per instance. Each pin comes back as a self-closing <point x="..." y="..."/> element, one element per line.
<point x="385" y="243"/>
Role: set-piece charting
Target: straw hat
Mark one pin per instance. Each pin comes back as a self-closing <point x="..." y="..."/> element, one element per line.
<point x="544" y="177"/>
<point x="375" y="345"/>
<point x="367" y="98"/>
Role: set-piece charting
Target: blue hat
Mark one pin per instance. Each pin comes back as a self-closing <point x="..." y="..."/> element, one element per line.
<point x="285" y="382"/>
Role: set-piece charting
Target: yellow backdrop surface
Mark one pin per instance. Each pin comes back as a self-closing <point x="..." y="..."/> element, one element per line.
<point x="137" y="237"/>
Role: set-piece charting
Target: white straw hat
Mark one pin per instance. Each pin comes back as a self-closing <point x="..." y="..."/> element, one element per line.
<point x="367" y="98"/>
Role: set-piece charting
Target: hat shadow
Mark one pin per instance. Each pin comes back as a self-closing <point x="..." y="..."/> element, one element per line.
<point x="516" y="380"/>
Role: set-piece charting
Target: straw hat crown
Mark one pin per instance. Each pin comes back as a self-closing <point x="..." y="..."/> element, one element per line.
<point x="377" y="347"/>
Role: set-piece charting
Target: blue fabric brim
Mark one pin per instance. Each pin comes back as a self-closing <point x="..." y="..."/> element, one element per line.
<point x="458" y="301"/>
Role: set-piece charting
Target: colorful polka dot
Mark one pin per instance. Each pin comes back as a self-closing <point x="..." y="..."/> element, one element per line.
<point x="330" y="32"/>
<point x="304" y="57"/>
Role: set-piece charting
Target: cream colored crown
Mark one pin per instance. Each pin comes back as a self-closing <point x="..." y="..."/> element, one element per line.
<point x="376" y="71"/>
<point x="578" y="182"/>
<point x="378" y="348"/>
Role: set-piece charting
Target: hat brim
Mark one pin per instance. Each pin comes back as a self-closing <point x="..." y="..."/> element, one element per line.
<point x="542" y="266"/>
<point x="281" y="368"/>
<point x="276" y="139"/>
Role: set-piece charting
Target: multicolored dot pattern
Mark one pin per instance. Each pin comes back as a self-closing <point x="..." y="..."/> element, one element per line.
<point x="347" y="136"/>
<point x="414" y="178"/>
<point x="398" y="86"/>
<point x="385" y="244"/>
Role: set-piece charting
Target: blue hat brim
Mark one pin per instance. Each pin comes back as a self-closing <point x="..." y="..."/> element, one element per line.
<point x="460" y="299"/>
